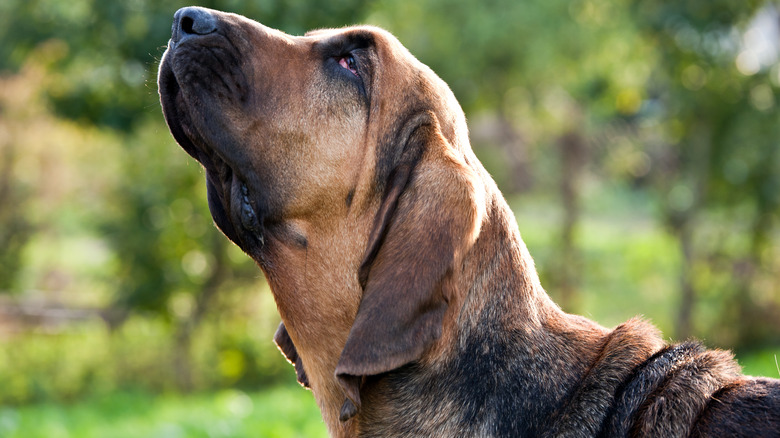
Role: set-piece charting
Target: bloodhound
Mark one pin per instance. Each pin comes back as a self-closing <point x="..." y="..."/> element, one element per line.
<point x="410" y="305"/>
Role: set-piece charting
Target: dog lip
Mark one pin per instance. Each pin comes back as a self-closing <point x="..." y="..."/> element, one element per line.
<point x="234" y="193"/>
<point x="236" y="199"/>
<point x="170" y="91"/>
<point x="248" y="214"/>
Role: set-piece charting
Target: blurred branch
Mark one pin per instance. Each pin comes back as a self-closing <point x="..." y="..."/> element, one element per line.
<point x="22" y="313"/>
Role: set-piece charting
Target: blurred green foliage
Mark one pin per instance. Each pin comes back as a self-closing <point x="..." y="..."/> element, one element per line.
<point x="87" y="360"/>
<point x="279" y="412"/>
<point x="637" y="142"/>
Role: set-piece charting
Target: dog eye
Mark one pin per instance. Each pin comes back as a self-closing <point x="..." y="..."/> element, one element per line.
<point x="348" y="62"/>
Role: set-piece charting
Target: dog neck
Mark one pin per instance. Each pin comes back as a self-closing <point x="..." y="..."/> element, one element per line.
<point x="310" y="273"/>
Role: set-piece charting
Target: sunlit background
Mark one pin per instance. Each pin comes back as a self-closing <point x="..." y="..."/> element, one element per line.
<point x="636" y="140"/>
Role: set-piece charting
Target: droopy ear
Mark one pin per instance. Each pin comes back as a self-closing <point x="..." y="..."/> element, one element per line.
<point x="286" y="346"/>
<point x="425" y="222"/>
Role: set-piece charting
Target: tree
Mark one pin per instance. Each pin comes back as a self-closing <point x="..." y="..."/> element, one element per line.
<point x="719" y="161"/>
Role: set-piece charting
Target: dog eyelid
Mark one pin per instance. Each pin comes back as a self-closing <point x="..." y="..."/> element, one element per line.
<point x="348" y="62"/>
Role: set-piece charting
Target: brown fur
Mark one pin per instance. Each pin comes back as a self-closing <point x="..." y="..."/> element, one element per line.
<point x="410" y="304"/>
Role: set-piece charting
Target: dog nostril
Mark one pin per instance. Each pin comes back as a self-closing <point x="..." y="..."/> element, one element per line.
<point x="186" y="25"/>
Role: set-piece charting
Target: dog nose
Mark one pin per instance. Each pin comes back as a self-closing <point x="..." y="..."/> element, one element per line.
<point x="192" y="21"/>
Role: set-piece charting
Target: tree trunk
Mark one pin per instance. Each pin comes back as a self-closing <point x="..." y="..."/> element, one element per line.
<point x="684" y="324"/>
<point x="184" y="331"/>
<point x="572" y="158"/>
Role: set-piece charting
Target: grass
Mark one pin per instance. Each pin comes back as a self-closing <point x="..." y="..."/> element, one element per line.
<point x="283" y="411"/>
